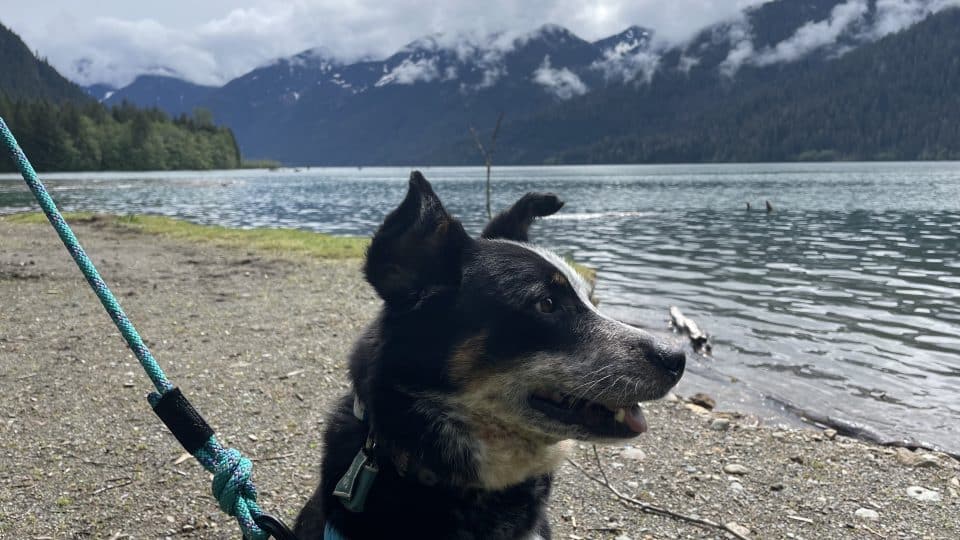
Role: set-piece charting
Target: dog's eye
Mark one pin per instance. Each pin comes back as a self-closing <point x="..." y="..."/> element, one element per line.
<point x="545" y="305"/>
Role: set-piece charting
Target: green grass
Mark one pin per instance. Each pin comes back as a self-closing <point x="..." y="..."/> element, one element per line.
<point x="323" y="246"/>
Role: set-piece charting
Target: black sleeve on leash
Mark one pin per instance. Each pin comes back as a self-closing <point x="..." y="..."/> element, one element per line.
<point x="183" y="420"/>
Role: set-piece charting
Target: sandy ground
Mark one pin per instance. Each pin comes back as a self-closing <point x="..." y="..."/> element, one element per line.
<point x="258" y="343"/>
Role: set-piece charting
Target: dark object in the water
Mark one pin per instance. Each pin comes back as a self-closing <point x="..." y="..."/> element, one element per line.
<point x="748" y="206"/>
<point x="698" y="338"/>
<point x="769" y="207"/>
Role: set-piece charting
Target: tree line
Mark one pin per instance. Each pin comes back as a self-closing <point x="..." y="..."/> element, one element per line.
<point x="87" y="136"/>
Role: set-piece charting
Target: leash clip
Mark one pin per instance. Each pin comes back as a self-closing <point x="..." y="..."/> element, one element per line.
<point x="274" y="527"/>
<point x="355" y="484"/>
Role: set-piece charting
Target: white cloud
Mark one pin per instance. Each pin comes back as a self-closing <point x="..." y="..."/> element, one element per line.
<point x="687" y="63"/>
<point x="414" y="71"/>
<point x="740" y="37"/>
<point x="814" y="35"/>
<point x="849" y="18"/>
<point x="562" y="83"/>
<point x="895" y="15"/>
<point x="214" y="41"/>
<point x="628" y="61"/>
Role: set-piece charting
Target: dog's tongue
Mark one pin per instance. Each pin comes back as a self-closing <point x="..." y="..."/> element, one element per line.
<point x="634" y="418"/>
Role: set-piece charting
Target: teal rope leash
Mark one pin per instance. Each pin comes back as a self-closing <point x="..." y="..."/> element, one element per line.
<point x="232" y="485"/>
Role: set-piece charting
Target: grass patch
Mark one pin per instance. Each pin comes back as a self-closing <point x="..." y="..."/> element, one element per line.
<point x="323" y="246"/>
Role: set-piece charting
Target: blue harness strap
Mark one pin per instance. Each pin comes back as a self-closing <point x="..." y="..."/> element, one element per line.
<point x="331" y="533"/>
<point x="232" y="485"/>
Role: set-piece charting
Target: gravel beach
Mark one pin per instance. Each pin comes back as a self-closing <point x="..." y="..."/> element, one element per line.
<point x="258" y="342"/>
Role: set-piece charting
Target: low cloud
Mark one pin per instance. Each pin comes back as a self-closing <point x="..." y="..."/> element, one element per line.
<point x="113" y="41"/>
<point x="740" y="37"/>
<point x="410" y="72"/>
<point x="628" y="61"/>
<point x="895" y="15"/>
<point x="814" y="35"/>
<point x="851" y="19"/>
<point x="562" y="83"/>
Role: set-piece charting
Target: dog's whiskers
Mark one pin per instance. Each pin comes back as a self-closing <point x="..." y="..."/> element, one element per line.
<point x="583" y="394"/>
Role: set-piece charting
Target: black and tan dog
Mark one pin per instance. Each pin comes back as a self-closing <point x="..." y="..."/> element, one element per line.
<point x="486" y="357"/>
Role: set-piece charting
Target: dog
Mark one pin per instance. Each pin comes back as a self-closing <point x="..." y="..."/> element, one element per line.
<point x="486" y="359"/>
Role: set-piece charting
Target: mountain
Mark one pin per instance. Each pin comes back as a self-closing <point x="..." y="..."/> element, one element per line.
<point x="312" y="109"/>
<point x="26" y="76"/>
<point x="852" y="81"/>
<point x="100" y="91"/>
<point x="890" y="100"/>
<point x="734" y="91"/>
<point x="169" y="94"/>
<point x="61" y="128"/>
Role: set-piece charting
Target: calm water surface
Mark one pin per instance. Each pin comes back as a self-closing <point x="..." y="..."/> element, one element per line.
<point x="842" y="304"/>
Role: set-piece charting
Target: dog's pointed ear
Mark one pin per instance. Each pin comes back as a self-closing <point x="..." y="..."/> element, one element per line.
<point x="418" y="248"/>
<point x="514" y="223"/>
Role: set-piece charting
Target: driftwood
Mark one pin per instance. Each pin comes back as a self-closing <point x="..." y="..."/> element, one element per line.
<point x="487" y="153"/>
<point x="685" y="325"/>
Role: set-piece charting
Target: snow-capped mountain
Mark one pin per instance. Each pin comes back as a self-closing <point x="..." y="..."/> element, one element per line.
<point x="551" y="84"/>
<point x="172" y="95"/>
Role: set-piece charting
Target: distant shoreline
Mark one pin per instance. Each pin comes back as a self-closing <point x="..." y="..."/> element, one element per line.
<point x="6" y="175"/>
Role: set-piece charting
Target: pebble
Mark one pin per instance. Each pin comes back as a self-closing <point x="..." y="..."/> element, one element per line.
<point x="696" y="409"/>
<point x="866" y="513"/>
<point x="703" y="400"/>
<point x="736" y="487"/>
<point x="738" y="528"/>
<point x="635" y="454"/>
<point x="632" y="484"/>
<point x="923" y="494"/>
<point x="622" y="537"/>
<point x="735" y="468"/>
<point x="916" y="459"/>
<point x="720" y="424"/>
<point x="830" y="434"/>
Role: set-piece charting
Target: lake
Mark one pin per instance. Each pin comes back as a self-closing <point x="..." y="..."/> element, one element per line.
<point x="842" y="305"/>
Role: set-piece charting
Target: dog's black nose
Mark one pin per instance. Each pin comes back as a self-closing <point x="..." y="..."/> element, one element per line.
<point x="668" y="356"/>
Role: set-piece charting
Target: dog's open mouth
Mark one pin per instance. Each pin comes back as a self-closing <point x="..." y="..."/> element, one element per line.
<point x="599" y="419"/>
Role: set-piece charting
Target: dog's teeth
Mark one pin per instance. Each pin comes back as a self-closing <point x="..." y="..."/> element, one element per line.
<point x="621" y="415"/>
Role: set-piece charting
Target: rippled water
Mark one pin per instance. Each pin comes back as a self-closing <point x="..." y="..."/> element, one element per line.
<point x="842" y="304"/>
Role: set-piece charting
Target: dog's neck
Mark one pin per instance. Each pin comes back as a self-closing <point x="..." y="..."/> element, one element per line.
<point x="472" y="449"/>
<point x="508" y="455"/>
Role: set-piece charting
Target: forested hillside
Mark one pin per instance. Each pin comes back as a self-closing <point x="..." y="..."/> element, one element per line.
<point x="22" y="74"/>
<point x="62" y="129"/>
<point x="892" y="100"/>
<point x="89" y="137"/>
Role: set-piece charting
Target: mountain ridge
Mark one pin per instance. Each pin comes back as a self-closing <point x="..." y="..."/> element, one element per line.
<point x="563" y="96"/>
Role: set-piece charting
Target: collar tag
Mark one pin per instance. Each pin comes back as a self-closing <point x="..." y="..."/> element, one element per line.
<point x="354" y="486"/>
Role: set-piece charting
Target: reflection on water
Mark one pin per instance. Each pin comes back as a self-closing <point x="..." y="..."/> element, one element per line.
<point x="844" y="302"/>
